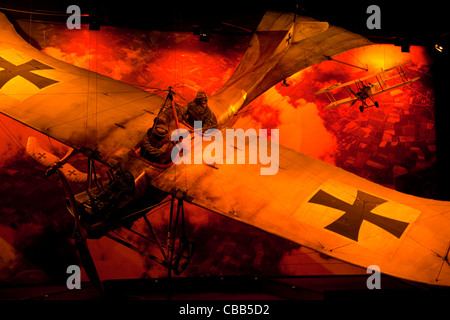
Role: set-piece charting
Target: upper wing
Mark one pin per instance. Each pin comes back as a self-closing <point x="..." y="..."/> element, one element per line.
<point x="332" y="87"/>
<point x="392" y="87"/>
<point x="339" y="102"/>
<point x="282" y="45"/>
<point x="333" y="101"/>
<point x="70" y="104"/>
<point x="322" y="207"/>
<point x="381" y="82"/>
<point x="346" y="84"/>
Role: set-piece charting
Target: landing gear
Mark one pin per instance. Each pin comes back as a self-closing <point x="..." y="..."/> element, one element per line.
<point x="111" y="209"/>
<point x="175" y="250"/>
<point x="364" y="105"/>
<point x="178" y="256"/>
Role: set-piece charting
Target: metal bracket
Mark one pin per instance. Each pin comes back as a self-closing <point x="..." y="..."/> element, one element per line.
<point x="181" y="194"/>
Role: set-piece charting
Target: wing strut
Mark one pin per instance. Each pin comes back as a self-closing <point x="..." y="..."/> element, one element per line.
<point x="178" y="261"/>
<point x="78" y="234"/>
<point x="177" y="251"/>
<point x="346" y="63"/>
<point x="170" y="97"/>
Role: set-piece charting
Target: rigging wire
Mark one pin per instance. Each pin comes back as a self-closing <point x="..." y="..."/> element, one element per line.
<point x="104" y="110"/>
<point x="31" y="15"/>
<point x="37" y="12"/>
<point x="96" y="87"/>
<point x="12" y="137"/>
<point x="91" y="122"/>
<point x="88" y="93"/>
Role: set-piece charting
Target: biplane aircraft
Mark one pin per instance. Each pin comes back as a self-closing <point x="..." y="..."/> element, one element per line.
<point x="309" y="202"/>
<point x="361" y="89"/>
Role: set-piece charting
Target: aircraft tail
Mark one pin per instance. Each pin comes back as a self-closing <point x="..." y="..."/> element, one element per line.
<point x="282" y="45"/>
<point x="48" y="159"/>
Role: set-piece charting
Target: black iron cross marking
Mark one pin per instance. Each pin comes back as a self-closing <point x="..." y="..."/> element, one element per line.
<point x="71" y="173"/>
<point x="349" y="223"/>
<point x="288" y="40"/>
<point x="24" y="70"/>
<point x="41" y="155"/>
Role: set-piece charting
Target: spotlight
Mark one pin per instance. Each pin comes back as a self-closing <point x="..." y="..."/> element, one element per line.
<point x="204" y="34"/>
<point x="204" y="37"/>
<point x="442" y="43"/>
<point x="439" y="47"/>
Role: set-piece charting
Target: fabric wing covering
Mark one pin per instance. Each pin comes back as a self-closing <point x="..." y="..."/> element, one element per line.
<point x="324" y="208"/>
<point x="77" y="107"/>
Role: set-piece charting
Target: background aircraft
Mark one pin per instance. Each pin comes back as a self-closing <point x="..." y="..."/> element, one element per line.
<point x="362" y="89"/>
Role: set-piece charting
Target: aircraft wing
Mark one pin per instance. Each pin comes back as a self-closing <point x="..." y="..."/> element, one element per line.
<point x="343" y="85"/>
<point x="332" y="87"/>
<point x="333" y="102"/>
<point x="392" y="87"/>
<point x="336" y="103"/>
<point x="70" y="104"/>
<point x="282" y="45"/>
<point x="324" y="208"/>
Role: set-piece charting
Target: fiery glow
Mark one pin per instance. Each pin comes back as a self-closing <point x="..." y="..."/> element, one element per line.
<point x="151" y="60"/>
<point x="375" y="144"/>
<point x="372" y="144"/>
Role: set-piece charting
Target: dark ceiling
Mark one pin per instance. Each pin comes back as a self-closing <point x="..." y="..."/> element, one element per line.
<point x="419" y="22"/>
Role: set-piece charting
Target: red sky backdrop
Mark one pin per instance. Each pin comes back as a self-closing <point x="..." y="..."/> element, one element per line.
<point x="378" y="144"/>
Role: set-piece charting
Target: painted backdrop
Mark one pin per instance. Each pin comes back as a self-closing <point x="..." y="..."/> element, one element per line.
<point x="393" y="145"/>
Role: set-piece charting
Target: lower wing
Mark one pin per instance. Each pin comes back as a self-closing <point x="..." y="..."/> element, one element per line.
<point x="340" y="102"/>
<point x="395" y="86"/>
